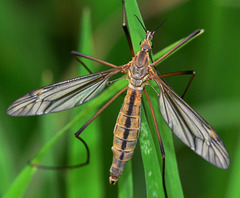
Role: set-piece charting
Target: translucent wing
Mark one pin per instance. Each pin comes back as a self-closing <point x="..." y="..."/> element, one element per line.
<point x="61" y="96"/>
<point x="191" y="128"/>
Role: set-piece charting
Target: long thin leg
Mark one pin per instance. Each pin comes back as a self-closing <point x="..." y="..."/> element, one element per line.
<point x="191" y="72"/>
<point x="155" y="124"/>
<point x="82" y="63"/>
<point x="159" y="140"/>
<point x="125" y="28"/>
<point x="65" y="167"/>
<point x="194" y="34"/>
<point x="79" y="138"/>
<point x="74" y="53"/>
<point x="99" y="112"/>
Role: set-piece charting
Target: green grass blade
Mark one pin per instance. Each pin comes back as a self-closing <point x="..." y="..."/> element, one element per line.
<point x="232" y="189"/>
<point x="20" y="184"/>
<point x="48" y="127"/>
<point x="136" y="31"/>
<point x="125" y="183"/>
<point x="172" y="180"/>
<point x="153" y="176"/>
<point x="6" y="170"/>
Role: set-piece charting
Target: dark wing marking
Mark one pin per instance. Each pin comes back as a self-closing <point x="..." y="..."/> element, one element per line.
<point x="191" y="128"/>
<point x="61" y="96"/>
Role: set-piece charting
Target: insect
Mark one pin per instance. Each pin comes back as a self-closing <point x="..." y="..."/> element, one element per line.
<point x="184" y="122"/>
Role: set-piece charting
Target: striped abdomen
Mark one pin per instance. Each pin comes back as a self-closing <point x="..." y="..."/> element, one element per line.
<point x="126" y="132"/>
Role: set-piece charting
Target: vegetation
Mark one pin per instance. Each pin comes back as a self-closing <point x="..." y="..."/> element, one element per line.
<point x="36" y="41"/>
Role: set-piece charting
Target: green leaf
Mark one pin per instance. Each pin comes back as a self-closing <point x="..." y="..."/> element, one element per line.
<point x="136" y="31"/>
<point x="6" y="169"/>
<point x="20" y="184"/>
<point x="172" y="178"/>
<point x="153" y="176"/>
<point x="125" y="183"/>
<point x="48" y="126"/>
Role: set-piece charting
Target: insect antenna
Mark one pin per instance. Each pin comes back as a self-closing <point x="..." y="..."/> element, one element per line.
<point x="158" y="26"/>
<point x="141" y="23"/>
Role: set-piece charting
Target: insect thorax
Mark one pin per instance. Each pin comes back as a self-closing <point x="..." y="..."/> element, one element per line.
<point x="138" y="70"/>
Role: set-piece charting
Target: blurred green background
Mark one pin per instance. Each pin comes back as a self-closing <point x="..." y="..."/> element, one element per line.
<point x="36" y="38"/>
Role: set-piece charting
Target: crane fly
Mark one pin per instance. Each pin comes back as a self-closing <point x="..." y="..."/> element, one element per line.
<point x="184" y="122"/>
